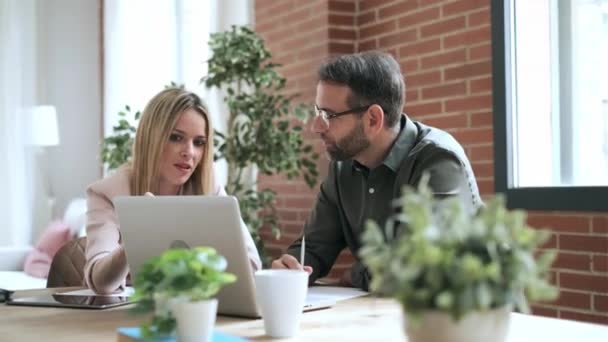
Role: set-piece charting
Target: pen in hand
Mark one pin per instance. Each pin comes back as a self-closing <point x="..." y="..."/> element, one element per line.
<point x="302" y="249"/>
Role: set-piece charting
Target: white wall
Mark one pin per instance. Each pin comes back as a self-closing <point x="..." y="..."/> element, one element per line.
<point x="69" y="64"/>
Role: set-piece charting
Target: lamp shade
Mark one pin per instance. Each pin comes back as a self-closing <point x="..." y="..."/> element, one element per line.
<point x="44" y="131"/>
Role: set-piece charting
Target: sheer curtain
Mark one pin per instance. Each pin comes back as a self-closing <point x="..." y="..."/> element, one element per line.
<point x="17" y="94"/>
<point x="148" y="44"/>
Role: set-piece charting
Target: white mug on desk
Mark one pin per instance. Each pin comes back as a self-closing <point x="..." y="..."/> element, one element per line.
<point x="281" y="295"/>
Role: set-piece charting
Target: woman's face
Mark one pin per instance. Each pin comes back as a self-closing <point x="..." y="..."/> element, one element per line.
<point x="183" y="152"/>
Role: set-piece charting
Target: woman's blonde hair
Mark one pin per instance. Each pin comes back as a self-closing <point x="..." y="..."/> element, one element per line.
<point x="157" y="122"/>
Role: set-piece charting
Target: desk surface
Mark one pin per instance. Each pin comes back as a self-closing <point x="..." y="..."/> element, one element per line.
<point x="359" y="319"/>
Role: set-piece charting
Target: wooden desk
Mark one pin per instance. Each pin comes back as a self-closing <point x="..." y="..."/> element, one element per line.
<point x="360" y="319"/>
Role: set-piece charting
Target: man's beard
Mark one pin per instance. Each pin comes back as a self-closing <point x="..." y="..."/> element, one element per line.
<point x="350" y="145"/>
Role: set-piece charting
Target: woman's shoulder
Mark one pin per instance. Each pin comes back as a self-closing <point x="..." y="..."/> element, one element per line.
<point x="115" y="184"/>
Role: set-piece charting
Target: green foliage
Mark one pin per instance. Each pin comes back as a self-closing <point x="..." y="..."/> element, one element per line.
<point x="116" y="149"/>
<point x="177" y="275"/>
<point x="264" y="126"/>
<point x="443" y="258"/>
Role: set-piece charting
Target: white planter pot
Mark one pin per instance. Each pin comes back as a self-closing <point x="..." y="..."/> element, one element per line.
<point x="478" y="326"/>
<point x="195" y="320"/>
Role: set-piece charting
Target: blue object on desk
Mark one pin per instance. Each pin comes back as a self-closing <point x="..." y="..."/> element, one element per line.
<point x="135" y="333"/>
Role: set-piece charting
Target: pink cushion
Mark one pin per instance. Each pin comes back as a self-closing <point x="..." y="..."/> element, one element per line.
<point x="38" y="261"/>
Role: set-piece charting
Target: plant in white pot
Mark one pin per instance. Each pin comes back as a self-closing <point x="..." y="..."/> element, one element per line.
<point x="457" y="276"/>
<point x="178" y="287"/>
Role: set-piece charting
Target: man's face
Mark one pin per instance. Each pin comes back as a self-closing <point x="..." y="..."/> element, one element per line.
<point x="344" y="136"/>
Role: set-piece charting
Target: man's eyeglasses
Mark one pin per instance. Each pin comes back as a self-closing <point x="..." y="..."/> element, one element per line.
<point x="326" y="116"/>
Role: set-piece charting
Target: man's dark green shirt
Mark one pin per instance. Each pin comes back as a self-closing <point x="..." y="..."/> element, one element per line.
<point x="351" y="194"/>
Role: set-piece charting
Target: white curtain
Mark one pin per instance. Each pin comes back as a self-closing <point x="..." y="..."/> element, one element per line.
<point x="150" y="43"/>
<point x="17" y="94"/>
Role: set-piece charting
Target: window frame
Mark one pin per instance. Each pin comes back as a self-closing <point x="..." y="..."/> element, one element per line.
<point x="575" y="198"/>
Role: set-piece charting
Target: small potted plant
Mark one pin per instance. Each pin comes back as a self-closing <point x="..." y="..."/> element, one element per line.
<point x="178" y="287"/>
<point x="457" y="275"/>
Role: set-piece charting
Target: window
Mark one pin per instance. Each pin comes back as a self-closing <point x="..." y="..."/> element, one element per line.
<point x="551" y="103"/>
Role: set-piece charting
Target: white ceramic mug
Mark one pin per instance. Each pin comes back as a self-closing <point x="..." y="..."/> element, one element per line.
<point x="280" y="295"/>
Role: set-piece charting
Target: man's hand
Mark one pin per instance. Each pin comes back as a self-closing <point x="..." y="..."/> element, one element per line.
<point x="287" y="261"/>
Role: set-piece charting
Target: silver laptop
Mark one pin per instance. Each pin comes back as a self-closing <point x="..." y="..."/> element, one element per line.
<point x="150" y="225"/>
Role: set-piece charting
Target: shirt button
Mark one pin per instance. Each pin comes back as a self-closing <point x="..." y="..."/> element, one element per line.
<point x="371" y="190"/>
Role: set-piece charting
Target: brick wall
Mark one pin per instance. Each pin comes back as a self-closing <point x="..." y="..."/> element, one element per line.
<point x="444" y="48"/>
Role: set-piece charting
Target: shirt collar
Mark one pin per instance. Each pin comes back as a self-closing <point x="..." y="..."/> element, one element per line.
<point x="402" y="146"/>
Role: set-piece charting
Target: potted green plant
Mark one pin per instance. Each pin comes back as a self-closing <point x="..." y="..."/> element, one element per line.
<point x="457" y="275"/>
<point x="178" y="287"/>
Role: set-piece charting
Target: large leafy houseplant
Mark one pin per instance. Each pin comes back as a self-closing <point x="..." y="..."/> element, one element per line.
<point x="444" y="259"/>
<point x="263" y="127"/>
<point x="177" y="276"/>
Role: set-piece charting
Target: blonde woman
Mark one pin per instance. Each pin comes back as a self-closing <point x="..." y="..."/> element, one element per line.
<point x="172" y="155"/>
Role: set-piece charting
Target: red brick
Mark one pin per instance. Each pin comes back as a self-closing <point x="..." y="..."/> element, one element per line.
<point x="480" y="153"/>
<point x="409" y="65"/>
<point x="483" y="169"/>
<point x="368" y="45"/>
<point x="469" y="103"/>
<point x="600" y="303"/>
<point x="468" y="70"/>
<point x="366" y="18"/>
<point x="420" y="48"/>
<point x="482" y="119"/>
<point x="473" y="135"/>
<point x="576" y="300"/>
<point x="377" y="29"/>
<point x="467" y="38"/>
<point x="584" y="317"/>
<point x="445" y="90"/>
<point x="416" y="18"/>
<point x="446" y="121"/>
<point x="600" y="224"/>
<point x="296" y="16"/>
<point x="461" y="6"/>
<point x="583" y="282"/>
<point x="341" y="48"/>
<point x="423" y="78"/>
<point x="341" y="19"/>
<point x="342" y="34"/>
<point x="551" y="243"/>
<point x="577" y="262"/>
<point x="411" y="95"/>
<point x="399" y="38"/>
<point x="486" y="186"/>
<point x="559" y="223"/>
<point x="442" y="27"/>
<point x="423" y="108"/>
<point x="371" y="4"/>
<point x="443" y="59"/>
<point x="479" y="18"/>
<point x="480" y="52"/>
<point x="341" y="6"/>
<point x="481" y="85"/>
<point x="583" y="243"/>
<point x="398" y="8"/>
<point x="543" y="311"/>
<point x="600" y="263"/>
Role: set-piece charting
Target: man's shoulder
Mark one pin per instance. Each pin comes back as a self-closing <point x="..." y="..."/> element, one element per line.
<point x="432" y="140"/>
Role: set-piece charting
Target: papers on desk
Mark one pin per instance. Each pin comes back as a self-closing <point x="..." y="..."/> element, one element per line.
<point x="334" y="293"/>
<point x="16" y="281"/>
<point x="127" y="292"/>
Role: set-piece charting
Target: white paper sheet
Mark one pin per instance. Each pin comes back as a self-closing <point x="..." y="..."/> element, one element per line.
<point x="334" y="293"/>
<point x="16" y="280"/>
<point x="128" y="291"/>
